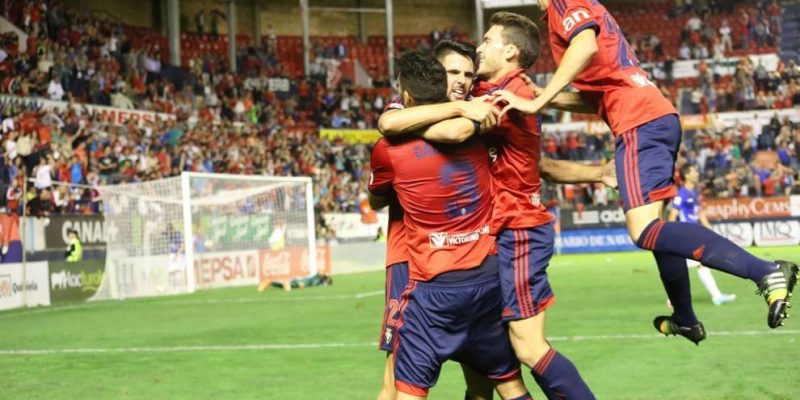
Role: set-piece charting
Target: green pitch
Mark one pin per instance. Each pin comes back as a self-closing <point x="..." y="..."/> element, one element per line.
<point x="319" y="343"/>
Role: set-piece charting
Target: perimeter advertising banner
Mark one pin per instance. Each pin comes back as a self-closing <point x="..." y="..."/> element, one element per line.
<point x="593" y="217"/>
<point x="226" y="269"/>
<point x="92" y="230"/>
<point x="594" y="240"/>
<point x="16" y="292"/>
<point x="75" y="282"/>
<point x="292" y="263"/>
<point x="750" y="208"/>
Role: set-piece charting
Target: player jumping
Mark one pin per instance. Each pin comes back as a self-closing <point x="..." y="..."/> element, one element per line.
<point x="594" y="56"/>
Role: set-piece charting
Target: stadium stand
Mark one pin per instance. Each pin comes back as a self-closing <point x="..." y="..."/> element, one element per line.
<point x="264" y="119"/>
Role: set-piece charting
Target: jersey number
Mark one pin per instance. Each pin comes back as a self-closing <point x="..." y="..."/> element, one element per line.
<point x="626" y="57"/>
<point x="465" y="200"/>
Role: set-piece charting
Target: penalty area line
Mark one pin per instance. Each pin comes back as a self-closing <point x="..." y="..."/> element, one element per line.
<point x="305" y="346"/>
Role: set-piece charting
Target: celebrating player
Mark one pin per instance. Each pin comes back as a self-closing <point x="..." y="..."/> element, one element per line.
<point x="686" y="208"/>
<point x="457" y="59"/>
<point x="450" y="308"/>
<point x="523" y="225"/>
<point x="594" y="56"/>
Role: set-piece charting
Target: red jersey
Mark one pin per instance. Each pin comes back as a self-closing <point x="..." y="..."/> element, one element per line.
<point x="514" y="150"/>
<point x="613" y="82"/>
<point x="397" y="242"/>
<point x="446" y="194"/>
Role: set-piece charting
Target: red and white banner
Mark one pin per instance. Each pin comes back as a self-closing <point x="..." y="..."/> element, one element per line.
<point x="292" y="263"/>
<point x="226" y="269"/>
<point x="118" y="116"/>
<point x="748" y="208"/>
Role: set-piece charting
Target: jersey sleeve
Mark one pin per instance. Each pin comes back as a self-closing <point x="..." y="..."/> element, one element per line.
<point x="381" y="172"/>
<point x="396" y="104"/>
<point x="571" y="17"/>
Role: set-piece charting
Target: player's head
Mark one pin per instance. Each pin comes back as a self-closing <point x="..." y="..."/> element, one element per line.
<point x="689" y="173"/>
<point x="422" y="79"/>
<point x="458" y="59"/>
<point x="511" y="42"/>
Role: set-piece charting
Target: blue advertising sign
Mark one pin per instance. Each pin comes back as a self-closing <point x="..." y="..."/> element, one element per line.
<point x="594" y="240"/>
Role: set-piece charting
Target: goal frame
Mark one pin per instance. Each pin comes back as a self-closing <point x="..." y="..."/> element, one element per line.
<point x="188" y="233"/>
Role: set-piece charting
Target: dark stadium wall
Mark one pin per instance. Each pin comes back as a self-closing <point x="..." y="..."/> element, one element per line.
<point x="137" y="13"/>
<point x="411" y="16"/>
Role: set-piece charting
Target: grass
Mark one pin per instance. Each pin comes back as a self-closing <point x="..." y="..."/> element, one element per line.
<point x="159" y="348"/>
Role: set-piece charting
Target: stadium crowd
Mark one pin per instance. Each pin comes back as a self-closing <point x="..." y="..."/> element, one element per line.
<point x="246" y="123"/>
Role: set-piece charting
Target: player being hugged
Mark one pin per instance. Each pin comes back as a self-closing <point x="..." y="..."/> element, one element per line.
<point x="593" y="55"/>
<point x="450" y="310"/>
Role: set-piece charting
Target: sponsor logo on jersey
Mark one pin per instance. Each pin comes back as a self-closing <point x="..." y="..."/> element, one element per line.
<point x="439" y="240"/>
<point x="571" y="21"/>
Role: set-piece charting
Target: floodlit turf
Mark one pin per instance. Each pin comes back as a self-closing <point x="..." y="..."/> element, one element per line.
<point x="319" y="343"/>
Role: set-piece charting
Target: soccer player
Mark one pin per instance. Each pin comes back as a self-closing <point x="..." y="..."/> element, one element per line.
<point x="515" y="156"/>
<point x="457" y="59"/>
<point x="686" y="208"/>
<point x="593" y="55"/>
<point x="451" y="307"/>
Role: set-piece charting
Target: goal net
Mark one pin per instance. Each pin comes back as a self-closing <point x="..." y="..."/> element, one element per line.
<point x="201" y="231"/>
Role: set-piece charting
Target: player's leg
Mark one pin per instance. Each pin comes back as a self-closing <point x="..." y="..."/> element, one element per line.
<point x="388" y="391"/>
<point x="396" y="282"/>
<point x="675" y="278"/>
<point x="524" y="255"/>
<point x="647" y="156"/>
<point x="479" y="387"/>
<point x="421" y="346"/>
<point x="488" y="352"/>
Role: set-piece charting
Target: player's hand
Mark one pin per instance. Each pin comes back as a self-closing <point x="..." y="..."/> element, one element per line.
<point x="476" y="110"/>
<point x="610" y="174"/>
<point x="489" y="123"/>
<point x="537" y="90"/>
<point x="514" y="102"/>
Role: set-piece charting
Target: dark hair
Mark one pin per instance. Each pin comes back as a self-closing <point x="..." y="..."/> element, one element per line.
<point x="455" y="46"/>
<point x="685" y="170"/>
<point x="422" y="77"/>
<point x="521" y="32"/>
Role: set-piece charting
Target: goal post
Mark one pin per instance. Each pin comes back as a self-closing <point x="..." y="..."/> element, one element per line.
<point x="206" y="230"/>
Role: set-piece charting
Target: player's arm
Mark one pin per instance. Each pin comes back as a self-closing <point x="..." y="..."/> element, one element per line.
<point x="399" y="121"/>
<point x="381" y="176"/>
<point x="674" y="211"/>
<point x="377" y="202"/>
<point x="704" y="219"/>
<point x="561" y="171"/>
<point x="673" y="214"/>
<point x="564" y="101"/>
<point x="581" y="50"/>
<point x="455" y="130"/>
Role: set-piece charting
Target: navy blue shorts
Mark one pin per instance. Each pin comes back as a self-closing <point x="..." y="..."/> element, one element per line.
<point x="524" y="255"/>
<point x="455" y="316"/>
<point x="645" y="161"/>
<point x="396" y="282"/>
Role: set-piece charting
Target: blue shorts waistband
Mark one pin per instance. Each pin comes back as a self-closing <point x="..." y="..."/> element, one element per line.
<point x="485" y="273"/>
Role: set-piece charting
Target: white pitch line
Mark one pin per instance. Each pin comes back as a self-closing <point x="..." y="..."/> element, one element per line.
<point x="132" y="302"/>
<point x="268" y="300"/>
<point x="304" y="346"/>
